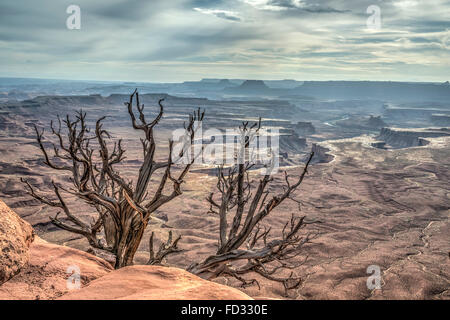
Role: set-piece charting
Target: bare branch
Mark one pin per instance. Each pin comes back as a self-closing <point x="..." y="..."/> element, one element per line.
<point x="267" y="258"/>
<point x="164" y="250"/>
<point x="93" y="158"/>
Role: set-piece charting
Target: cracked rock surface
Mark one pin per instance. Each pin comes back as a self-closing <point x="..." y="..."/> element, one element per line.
<point x="16" y="236"/>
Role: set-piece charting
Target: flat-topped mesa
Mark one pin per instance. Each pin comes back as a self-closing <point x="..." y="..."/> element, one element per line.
<point x="250" y="87"/>
<point x="405" y="138"/>
<point x="409" y="113"/>
<point x="253" y="84"/>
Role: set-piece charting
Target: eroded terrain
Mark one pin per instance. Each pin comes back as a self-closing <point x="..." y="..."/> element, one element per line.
<point x="377" y="205"/>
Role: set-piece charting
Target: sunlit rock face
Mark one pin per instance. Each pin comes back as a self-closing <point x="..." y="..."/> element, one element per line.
<point x="154" y="283"/>
<point x="16" y="236"/>
<point x="46" y="275"/>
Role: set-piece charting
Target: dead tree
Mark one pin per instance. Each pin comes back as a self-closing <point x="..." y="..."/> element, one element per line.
<point x="123" y="209"/>
<point x="243" y="245"/>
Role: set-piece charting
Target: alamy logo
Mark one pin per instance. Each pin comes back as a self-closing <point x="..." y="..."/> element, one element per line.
<point x="74" y="279"/>
<point x="374" y="281"/>
<point x="230" y="147"/>
<point x="374" y="20"/>
<point x="73" y="21"/>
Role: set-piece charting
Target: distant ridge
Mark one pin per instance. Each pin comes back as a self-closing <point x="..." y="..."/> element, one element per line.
<point x="225" y="82"/>
<point x="376" y="90"/>
<point x="13" y="89"/>
<point x="253" y="85"/>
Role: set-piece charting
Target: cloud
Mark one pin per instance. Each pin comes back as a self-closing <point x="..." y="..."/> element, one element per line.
<point x="162" y="40"/>
<point x="223" y="14"/>
<point x="292" y="5"/>
<point x="264" y="5"/>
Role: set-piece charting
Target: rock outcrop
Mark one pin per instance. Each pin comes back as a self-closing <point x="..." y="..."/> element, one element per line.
<point x="321" y="154"/>
<point x="37" y="269"/>
<point x="16" y="236"/>
<point x="291" y="142"/>
<point x="46" y="274"/>
<point x="408" y="113"/>
<point x="50" y="266"/>
<point x="405" y="138"/>
<point x="154" y="283"/>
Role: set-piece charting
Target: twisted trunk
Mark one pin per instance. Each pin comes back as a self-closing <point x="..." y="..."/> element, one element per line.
<point x="128" y="245"/>
<point x="123" y="209"/>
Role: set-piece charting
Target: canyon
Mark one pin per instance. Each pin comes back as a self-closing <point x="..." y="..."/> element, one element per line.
<point x="378" y="185"/>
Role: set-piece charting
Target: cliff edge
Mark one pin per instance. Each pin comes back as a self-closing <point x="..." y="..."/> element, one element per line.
<point x="33" y="269"/>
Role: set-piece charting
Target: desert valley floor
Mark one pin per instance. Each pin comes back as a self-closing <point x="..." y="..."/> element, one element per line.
<point x="387" y="207"/>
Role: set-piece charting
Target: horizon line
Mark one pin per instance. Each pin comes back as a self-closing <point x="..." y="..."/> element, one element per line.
<point x="209" y="78"/>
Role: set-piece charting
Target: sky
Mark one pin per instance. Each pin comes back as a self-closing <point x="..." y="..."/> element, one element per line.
<point x="181" y="40"/>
